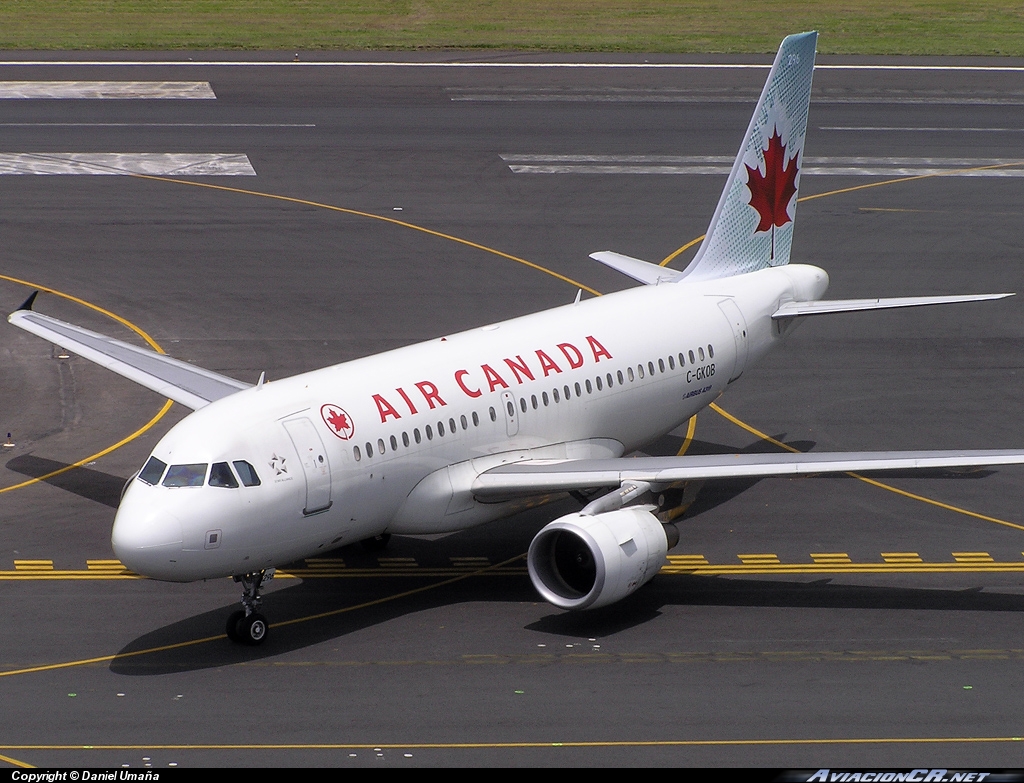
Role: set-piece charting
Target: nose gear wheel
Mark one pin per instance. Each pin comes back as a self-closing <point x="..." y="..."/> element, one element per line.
<point x="248" y="625"/>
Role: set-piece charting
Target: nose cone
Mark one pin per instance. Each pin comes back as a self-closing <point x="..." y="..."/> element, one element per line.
<point x="145" y="538"/>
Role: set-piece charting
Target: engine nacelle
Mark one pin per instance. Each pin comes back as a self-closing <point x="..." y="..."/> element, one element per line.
<point x="585" y="562"/>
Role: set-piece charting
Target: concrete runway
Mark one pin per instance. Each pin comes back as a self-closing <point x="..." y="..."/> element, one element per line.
<point x="420" y="657"/>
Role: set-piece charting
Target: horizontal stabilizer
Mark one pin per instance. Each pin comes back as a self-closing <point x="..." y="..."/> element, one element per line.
<point x="539" y="476"/>
<point x="823" y="307"/>
<point x="644" y="271"/>
<point x="191" y="386"/>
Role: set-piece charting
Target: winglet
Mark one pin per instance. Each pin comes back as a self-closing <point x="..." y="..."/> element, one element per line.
<point x="27" y="304"/>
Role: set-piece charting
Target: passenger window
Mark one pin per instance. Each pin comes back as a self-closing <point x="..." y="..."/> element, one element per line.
<point x="629" y="372"/>
<point x="451" y="426"/>
<point x="416" y="434"/>
<point x="711" y="352"/>
<point x="369" y="449"/>
<point x="661" y="365"/>
<point x="430" y="432"/>
<point x="511" y="408"/>
<point x="693" y="359"/>
<point x="476" y="420"/>
<point x="186" y="475"/>
<point x="380" y="446"/>
<point x="590" y="388"/>
<point x="610" y="381"/>
<point x="671" y="363"/>
<point x="682" y="361"/>
<point x="247" y="473"/>
<point x="465" y="424"/>
<point x="394" y="443"/>
<point x="600" y="384"/>
<point x="640" y="371"/>
<point x="619" y="376"/>
<point x="650" y="366"/>
<point x="405" y="439"/>
<point x="544" y="398"/>
<point x="494" y="415"/>
<point x="221" y="476"/>
<point x="533" y="401"/>
<point x="566" y="393"/>
<point x="152" y="471"/>
<point x="356" y="454"/>
<point x="700" y="351"/>
<point x="522" y="404"/>
<point x="554" y="393"/>
<point x="440" y="428"/>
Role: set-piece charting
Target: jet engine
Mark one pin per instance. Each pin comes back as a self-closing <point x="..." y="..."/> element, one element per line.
<point x="585" y="561"/>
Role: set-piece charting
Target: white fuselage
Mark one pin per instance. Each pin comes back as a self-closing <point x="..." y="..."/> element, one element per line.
<point x="392" y="442"/>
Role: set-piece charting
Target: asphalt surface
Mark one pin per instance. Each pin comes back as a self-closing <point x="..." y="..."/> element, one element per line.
<point x="416" y="655"/>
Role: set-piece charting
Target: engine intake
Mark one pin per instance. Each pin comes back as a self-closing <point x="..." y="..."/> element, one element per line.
<point x="585" y="562"/>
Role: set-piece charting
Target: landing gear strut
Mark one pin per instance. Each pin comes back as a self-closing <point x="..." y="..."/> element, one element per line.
<point x="247" y="625"/>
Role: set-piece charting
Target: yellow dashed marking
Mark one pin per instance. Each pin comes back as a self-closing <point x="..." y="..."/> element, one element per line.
<point x="901" y="557"/>
<point x="973" y="557"/>
<point x="691" y="560"/>
<point x="831" y="558"/>
<point x="33" y="565"/>
<point x="759" y="559"/>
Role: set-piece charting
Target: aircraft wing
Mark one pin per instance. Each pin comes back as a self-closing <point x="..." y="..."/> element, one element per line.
<point x="825" y="306"/>
<point x="191" y="386"/>
<point x="540" y="476"/>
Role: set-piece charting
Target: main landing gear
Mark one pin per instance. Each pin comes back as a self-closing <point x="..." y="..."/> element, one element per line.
<point x="247" y="625"/>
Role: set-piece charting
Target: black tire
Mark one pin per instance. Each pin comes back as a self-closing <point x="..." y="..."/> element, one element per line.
<point x="252" y="630"/>
<point x="232" y="625"/>
<point x="377" y="543"/>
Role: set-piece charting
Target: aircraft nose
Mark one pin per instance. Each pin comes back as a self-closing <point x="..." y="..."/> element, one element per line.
<point x="148" y="541"/>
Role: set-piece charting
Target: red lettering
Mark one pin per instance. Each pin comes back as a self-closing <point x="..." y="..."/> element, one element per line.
<point x="459" y="375"/>
<point x="546" y="363"/>
<point x="429" y="392"/>
<point x="517" y="367"/>
<point x="401" y="391"/>
<point x="493" y="379"/>
<point x="598" y="349"/>
<point x="384" y="408"/>
<point x="575" y="358"/>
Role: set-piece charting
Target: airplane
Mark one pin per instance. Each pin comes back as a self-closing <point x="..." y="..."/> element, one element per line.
<point x="471" y="427"/>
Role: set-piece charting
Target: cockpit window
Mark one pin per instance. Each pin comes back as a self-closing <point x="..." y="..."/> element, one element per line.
<point x="185" y="475"/>
<point x="152" y="471"/>
<point x="247" y="473"/>
<point x="221" y="476"/>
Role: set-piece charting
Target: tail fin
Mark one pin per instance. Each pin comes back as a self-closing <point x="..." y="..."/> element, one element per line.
<point x="752" y="227"/>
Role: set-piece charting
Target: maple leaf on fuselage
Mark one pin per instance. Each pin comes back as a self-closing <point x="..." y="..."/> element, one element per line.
<point x="771" y="192"/>
<point x="338" y="420"/>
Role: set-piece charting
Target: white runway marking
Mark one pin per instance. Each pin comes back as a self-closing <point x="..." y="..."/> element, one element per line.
<point x="918" y="130"/>
<point x="178" y="164"/>
<point x="399" y="64"/>
<point x="106" y="90"/>
<point x="685" y="95"/>
<point x="721" y="164"/>
<point x="157" y="125"/>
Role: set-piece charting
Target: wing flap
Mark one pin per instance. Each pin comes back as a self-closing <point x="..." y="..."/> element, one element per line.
<point x="539" y="477"/>
<point x="191" y="386"/>
<point x="824" y="307"/>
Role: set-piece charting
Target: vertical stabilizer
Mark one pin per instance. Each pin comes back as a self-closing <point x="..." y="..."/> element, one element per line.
<point x="752" y="227"/>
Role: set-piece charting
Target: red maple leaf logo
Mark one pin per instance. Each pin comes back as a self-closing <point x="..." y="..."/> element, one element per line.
<point x="338" y="420"/>
<point x="771" y="192"/>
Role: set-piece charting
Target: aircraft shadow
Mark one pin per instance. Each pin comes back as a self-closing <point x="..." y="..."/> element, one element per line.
<point x="85" y="482"/>
<point x="334" y="597"/>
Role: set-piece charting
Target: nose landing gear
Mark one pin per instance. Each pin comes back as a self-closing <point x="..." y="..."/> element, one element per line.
<point x="247" y="625"/>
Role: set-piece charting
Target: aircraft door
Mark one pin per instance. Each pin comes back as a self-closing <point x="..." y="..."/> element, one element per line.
<point x="315" y="466"/>
<point x="739" y="333"/>
<point x="508" y="404"/>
